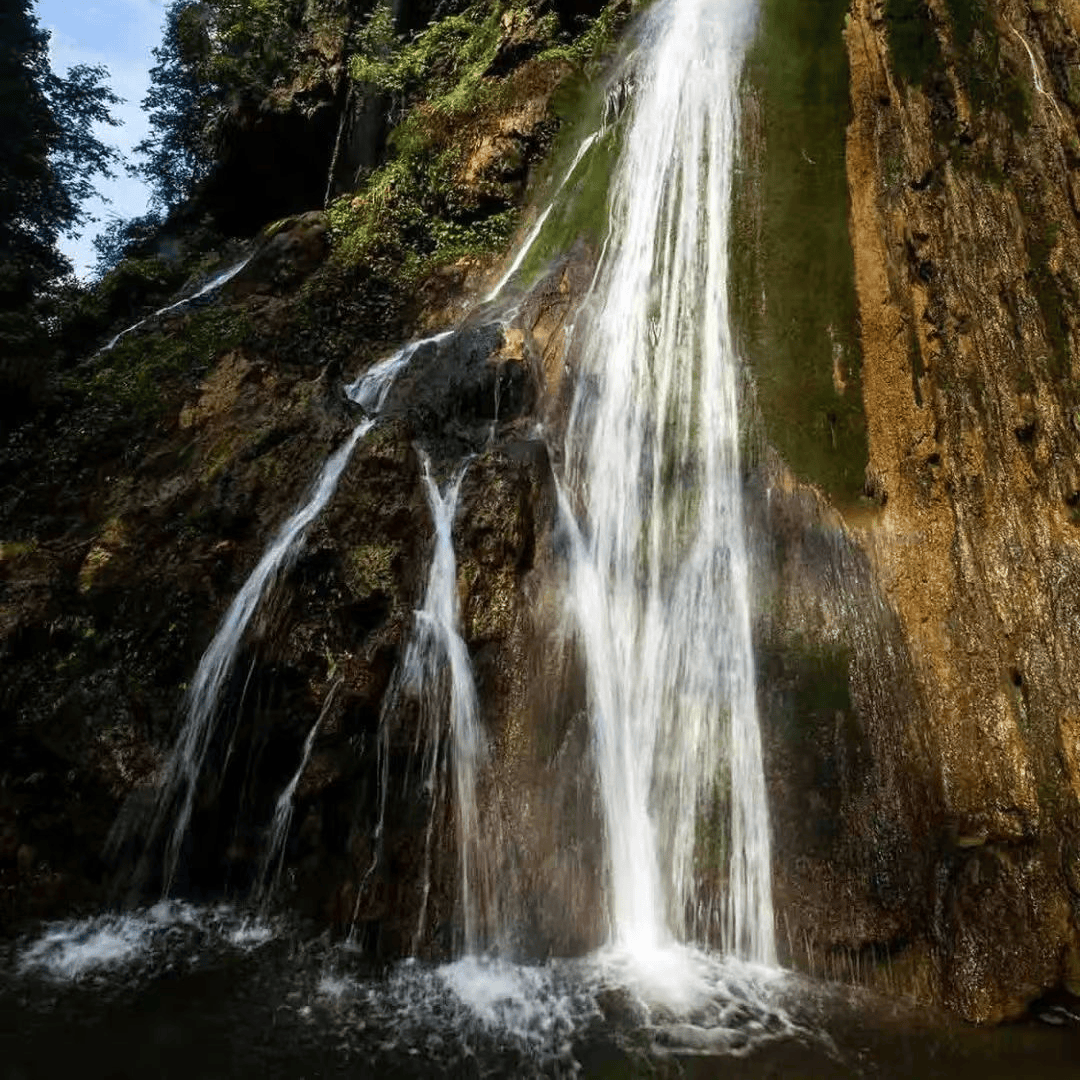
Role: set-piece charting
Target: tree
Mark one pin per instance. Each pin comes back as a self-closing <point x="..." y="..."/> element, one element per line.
<point x="49" y="157"/>
<point x="213" y="55"/>
<point x="175" y="156"/>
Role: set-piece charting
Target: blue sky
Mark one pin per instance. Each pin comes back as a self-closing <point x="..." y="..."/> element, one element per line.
<point x="120" y="35"/>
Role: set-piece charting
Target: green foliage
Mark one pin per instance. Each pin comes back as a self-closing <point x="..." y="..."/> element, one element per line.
<point x="414" y="213"/>
<point x="124" y="236"/>
<point x="448" y="63"/>
<point x="131" y="376"/>
<point x="176" y="154"/>
<point x="214" y="55"/>
<point x="50" y="157"/>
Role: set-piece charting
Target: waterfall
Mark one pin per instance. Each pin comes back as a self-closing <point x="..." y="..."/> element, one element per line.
<point x="534" y="232"/>
<point x="651" y="501"/>
<point x="438" y="669"/>
<point x="216" y="282"/>
<point x="202" y="704"/>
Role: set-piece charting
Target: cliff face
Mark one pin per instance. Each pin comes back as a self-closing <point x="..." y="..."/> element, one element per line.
<point x="963" y="212"/>
<point x="912" y="491"/>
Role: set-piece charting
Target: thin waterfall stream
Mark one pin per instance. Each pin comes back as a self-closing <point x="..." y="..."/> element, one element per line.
<point x="176" y="797"/>
<point x="437" y="669"/>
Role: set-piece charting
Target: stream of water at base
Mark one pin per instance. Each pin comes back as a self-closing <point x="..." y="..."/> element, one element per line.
<point x="176" y="991"/>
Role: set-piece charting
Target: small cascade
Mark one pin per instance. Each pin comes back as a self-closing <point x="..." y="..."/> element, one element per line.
<point x="652" y="503"/>
<point x="184" y="765"/>
<point x="270" y="869"/>
<point x="534" y="232"/>
<point x="438" y="670"/>
<point x="212" y="285"/>
<point x="369" y="391"/>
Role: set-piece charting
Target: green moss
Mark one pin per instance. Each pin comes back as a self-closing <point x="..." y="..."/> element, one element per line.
<point x="913" y="42"/>
<point x="13" y="550"/>
<point x="793" y="279"/>
<point x="1041" y="239"/>
<point x="370" y="569"/>
<point x="582" y="208"/>
<point x="135" y="373"/>
<point x="984" y="71"/>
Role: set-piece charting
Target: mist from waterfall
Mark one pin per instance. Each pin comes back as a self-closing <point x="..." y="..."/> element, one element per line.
<point x="651" y="500"/>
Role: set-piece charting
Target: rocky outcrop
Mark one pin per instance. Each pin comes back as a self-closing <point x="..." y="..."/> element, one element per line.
<point x="966" y="253"/>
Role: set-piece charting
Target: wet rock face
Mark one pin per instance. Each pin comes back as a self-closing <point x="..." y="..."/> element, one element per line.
<point x="454" y="390"/>
<point x="967" y="253"/>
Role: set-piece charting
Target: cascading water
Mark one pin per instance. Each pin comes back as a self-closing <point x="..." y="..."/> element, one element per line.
<point x="215" y="283"/>
<point x="370" y="389"/>
<point x="538" y="226"/>
<point x="658" y="567"/>
<point x="437" y="668"/>
<point x="181" y="774"/>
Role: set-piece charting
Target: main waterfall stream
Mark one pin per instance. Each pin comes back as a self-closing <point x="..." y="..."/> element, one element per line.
<point x="659" y="575"/>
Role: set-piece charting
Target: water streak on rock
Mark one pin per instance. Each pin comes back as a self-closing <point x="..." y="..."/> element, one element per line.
<point x="214" y="283"/>
<point x="184" y="765"/>
<point x="534" y="232"/>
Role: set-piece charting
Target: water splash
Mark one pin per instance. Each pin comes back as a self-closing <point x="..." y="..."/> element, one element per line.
<point x="214" y="283"/>
<point x="658" y="562"/>
<point x="438" y="670"/>
<point x="165" y="934"/>
<point x="185" y="762"/>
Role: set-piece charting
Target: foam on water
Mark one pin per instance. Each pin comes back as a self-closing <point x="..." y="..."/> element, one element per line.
<point x="116" y="943"/>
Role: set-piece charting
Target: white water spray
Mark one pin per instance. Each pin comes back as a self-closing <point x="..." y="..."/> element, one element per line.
<point x="659" y="569"/>
<point x="185" y="762"/>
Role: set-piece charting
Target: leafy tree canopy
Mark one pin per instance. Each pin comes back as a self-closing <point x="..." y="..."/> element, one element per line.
<point x="50" y="154"/>
<point x="213" y="55"/>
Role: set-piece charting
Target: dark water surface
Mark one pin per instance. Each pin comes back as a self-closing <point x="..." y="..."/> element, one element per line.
<point x="187" y="993"/>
